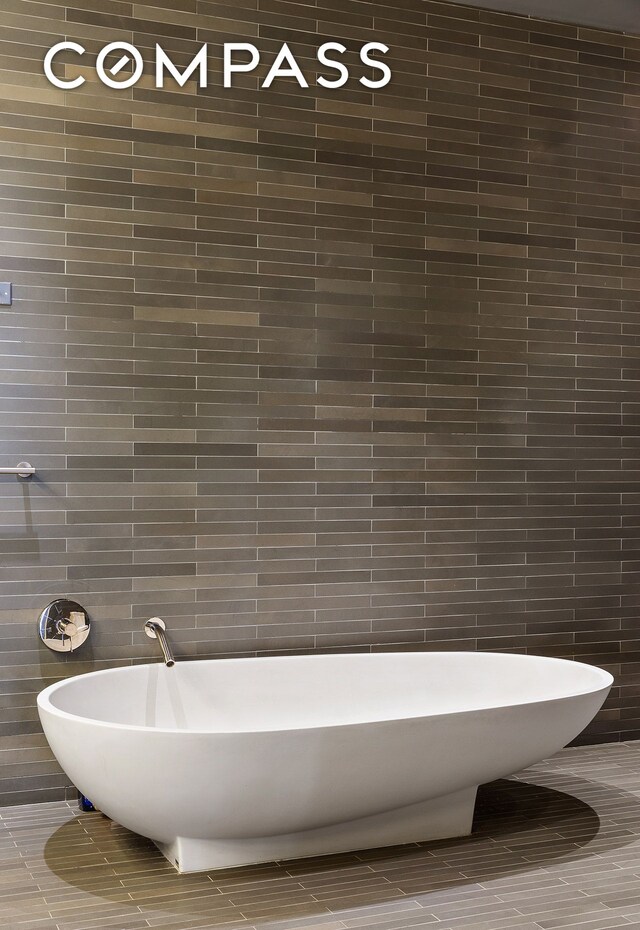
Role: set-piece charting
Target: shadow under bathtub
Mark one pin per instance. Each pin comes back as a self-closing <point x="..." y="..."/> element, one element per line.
<point x="520" y="827"/>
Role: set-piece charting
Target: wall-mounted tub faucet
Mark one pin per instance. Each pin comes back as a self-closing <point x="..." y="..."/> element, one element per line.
<point x="155" y="629"/>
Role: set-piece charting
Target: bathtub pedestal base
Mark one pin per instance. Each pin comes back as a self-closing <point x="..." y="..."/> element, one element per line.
<point x="437" y="819"/>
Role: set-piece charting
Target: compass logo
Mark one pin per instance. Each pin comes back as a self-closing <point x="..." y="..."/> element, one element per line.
<point x="238" y="58"/>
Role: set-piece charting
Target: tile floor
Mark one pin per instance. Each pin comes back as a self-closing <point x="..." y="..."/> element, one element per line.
<point x="556" y="847"/>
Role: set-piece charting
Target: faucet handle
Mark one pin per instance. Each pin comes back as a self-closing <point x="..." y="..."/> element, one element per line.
<point x="76" y="623"/>
<point x="63" y="625"/>
<point x="73" y="624"/>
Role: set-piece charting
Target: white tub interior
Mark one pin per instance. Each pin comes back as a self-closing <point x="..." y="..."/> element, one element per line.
<point x="249" y="695"/>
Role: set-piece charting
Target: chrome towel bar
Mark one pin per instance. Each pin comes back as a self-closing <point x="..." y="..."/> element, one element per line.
<point x="22" y="470"/>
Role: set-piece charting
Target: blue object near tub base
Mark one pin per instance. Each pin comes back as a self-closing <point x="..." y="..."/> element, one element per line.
<point x="85" y="804"/>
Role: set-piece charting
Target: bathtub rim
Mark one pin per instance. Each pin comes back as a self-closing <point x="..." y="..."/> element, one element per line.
<point x="44" y="702"/>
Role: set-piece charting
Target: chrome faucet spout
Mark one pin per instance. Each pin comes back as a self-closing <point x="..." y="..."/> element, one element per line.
<point x="155" y="629"/>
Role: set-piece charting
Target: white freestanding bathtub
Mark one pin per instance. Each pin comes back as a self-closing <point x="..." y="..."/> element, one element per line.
<point x="233" y="761"/>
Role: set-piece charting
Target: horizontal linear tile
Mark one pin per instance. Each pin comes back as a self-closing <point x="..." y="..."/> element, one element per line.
<point x="322" y="370"/>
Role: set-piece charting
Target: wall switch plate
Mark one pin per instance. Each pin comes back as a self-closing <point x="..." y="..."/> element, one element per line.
<point x="5" y="294"/>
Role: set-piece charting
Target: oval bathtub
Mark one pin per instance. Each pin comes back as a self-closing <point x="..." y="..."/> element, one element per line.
<point x="227" y="762"/>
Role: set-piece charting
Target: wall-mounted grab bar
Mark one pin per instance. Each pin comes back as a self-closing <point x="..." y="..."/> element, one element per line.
<point x="22" y="470"/>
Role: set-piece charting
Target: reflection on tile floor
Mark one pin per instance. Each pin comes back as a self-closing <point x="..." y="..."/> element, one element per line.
<point x="556" y="847"/>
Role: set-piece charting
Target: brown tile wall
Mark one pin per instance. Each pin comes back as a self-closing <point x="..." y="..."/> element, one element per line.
<point x="320" y="370"/>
